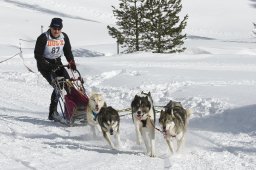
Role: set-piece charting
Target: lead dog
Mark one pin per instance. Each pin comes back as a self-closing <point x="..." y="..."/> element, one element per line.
<point x="109" y="122"/>
<point x="143" y="114"/>
<point x="174" y="121"/>
<point x="96" y="102"/>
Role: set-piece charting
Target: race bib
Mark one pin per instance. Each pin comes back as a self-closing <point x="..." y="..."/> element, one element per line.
<point x="54" y="47"/>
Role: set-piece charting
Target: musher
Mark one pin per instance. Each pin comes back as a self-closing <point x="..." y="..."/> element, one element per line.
<point x="49" y="48"/>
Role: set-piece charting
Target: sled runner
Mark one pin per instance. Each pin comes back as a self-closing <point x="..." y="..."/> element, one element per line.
<point x="73" y="100"/>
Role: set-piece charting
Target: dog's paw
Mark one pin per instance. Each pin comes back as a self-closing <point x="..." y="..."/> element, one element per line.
<point x="119" y="144"/>
<point x="115" y="148"/>
<point x="151" y="154"/>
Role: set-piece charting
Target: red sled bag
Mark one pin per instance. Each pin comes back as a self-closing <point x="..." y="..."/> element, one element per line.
<point x="73" y="100"/>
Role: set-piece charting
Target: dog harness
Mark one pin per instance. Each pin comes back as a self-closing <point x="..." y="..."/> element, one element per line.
<point x="95" y="115"/>
<point x="144" y="122"/>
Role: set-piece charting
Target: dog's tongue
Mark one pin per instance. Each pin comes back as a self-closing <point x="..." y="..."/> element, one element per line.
<point x="139" y="117"/>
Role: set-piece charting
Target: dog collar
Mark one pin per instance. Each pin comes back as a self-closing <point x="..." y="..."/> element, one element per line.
<point x="95" y="115"/>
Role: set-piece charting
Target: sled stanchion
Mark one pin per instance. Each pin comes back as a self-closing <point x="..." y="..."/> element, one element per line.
<point x="61" y="107"/>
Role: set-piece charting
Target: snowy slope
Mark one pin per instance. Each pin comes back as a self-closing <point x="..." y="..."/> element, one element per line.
<point x="215" y="77"/>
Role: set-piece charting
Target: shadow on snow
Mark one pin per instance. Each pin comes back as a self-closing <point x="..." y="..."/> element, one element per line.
<point x="45" y="10"/>
<point x="236" y="120"/>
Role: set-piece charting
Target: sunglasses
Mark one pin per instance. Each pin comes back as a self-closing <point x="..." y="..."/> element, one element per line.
<point x="55" y="28"/>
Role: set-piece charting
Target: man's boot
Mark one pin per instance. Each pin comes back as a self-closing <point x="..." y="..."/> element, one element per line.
<point x="52" y="110"/>
<point x="53" y="106"/>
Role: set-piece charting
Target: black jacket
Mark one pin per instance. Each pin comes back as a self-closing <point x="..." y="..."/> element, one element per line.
<point x="47" y="64"/>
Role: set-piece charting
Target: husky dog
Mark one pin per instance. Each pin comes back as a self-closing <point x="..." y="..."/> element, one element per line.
<point x="174" y="121"/>
<point x="109" y="122"/>
<point x="143" y="114"/>
<point x="96" y="102"/>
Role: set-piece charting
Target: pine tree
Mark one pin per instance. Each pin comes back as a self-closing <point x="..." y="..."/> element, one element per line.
<point x="162" y="26"/>
<point x="129" y="29"/>
<point x="117" y="35"/>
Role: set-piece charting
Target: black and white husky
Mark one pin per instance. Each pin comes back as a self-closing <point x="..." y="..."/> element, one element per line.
<point x="174" y="121"/>
<point x="109" y="121"/>
<point x="143" y="114"/>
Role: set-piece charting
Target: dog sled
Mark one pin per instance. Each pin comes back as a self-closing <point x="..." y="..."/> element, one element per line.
<point x="72" y="96"/>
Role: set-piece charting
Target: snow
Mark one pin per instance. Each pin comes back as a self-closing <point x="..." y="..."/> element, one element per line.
<point x="215" y="77"/>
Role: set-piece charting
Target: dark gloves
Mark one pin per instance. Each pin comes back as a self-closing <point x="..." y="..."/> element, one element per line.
<point x="54" y="67"/>
<point x="72" y="65"/>
<point x="50" y="66"/>
<point x="46" y="65"/>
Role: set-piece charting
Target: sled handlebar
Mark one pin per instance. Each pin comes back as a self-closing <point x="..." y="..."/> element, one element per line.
<point x="61" y="66"/>
<point x="76" y="71"/>
<point x="79" y="75"/>
<point x="78" y="78"/>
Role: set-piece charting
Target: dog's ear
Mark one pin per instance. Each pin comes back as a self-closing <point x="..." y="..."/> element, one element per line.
<point x="92" y="93"/>
<point x="162" y="113"/>
<point x="161" y="116"/>
<point x="132" y="103"/>
<point x="172" y="113"/>
<point x="105" y="104"/>
<point x="135" y="98"/>
<point x="149" y="93"/>
<point x="102" y="110"/>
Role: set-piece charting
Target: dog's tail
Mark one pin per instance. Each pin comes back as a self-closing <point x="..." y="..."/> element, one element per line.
<point x="189" y="112"/>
